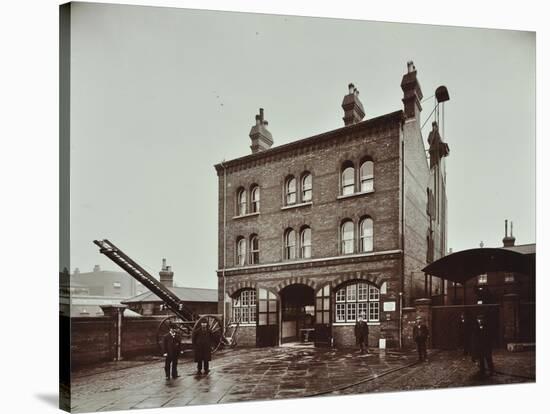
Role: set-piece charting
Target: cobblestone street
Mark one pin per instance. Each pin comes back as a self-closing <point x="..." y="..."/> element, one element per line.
<point x="260" y="374"/>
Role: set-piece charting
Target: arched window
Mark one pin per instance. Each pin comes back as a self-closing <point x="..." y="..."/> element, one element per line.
<point x="366" y="234"/>
<point x="254" y="249"/>
<point x="367" y="176"/>
<point x="255" y="199"/>
<point x="244" y="306"/>
<point x="307" y="188"/>
<point x="305" y="243"/>
<point x="290" y="190"/>
<point x="241" y="202"/>
<point x="241" y="251"/>
<point x="348" y="179"/>
<point x="355" y="299"/>
<point x="290" y="244"/>
<point x="347" y="237"/>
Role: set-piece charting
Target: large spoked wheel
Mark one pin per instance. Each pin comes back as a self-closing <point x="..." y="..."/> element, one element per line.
<point x="164" y="328"/>
<point x="215" y="326"/>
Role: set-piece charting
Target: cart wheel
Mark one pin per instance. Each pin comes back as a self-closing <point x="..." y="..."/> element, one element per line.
<point x="164" y="328"/>
<point x="214" y="323"/>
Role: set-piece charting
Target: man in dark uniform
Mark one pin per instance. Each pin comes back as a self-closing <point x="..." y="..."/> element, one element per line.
<point x="420" y="335"/>
<point x="483" y="341"/>
<point x="172" y="347"/>
<point x="202" y="340"/>
<point x="362" y="333"/>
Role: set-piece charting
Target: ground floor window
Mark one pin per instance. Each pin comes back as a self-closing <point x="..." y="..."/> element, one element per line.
<point x="356" y="298"/>
<point x="244" y="306"/>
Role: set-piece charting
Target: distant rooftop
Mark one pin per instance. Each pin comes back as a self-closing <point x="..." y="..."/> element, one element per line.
<point x="185" y="294"/>
<point x="530" y="248"/>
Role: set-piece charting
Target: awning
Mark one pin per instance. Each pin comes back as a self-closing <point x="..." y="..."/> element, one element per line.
<point x="466" y="264"/>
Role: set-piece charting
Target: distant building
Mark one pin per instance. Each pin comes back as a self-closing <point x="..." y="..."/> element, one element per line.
<point x="492" y="286"/>
<point x="199" y="300"/>
<point x="104" y="283"/>
<point x="88" y="306"/>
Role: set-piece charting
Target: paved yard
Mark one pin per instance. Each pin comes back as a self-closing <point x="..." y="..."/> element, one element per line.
<point x="259" y="374"/>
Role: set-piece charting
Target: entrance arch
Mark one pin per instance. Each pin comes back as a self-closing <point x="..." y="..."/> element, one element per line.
<point x="297" y="312"/>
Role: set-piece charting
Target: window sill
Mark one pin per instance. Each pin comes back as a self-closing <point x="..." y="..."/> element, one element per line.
<point x="247" y="324"/>
<point x="360" y="193"/>
<point x="353" y="323"/>
<point x="291" y="206"/>
<point x="257" y="213"/>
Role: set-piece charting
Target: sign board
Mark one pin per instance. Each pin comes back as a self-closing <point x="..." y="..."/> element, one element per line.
<point x="389" y="306"/>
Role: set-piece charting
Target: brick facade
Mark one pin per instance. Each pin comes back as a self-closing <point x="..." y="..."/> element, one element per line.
<point x="397" y="206"/>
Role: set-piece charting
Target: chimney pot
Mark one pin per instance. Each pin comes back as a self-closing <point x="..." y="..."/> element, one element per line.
<point x="352" y="106"/>
<point x="259" y="135"/>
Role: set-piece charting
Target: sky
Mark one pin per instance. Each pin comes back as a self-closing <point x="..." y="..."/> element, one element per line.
<point x="160" y="95"/>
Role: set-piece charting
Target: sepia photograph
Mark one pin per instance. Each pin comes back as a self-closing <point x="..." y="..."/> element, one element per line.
<point x="257" y="207"/>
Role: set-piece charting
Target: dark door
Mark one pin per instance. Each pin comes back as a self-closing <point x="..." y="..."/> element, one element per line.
<point x="323" y="332"/>
<point x="267" y="329"/>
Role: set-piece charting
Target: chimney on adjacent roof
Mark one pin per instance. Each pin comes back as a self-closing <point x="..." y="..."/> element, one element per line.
<point x="166" y="275"/>
<point x="412" y="93"/>
<point x="508" y="241"/>
<point x="97" y="269"/>
<point x="352" y="106"/>
<point x="259" y="135"/>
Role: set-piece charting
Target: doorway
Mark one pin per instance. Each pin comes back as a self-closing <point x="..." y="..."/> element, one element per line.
<point x="297" y="314"/>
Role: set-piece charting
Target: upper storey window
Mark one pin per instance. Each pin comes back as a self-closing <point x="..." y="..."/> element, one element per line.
<point x="367" y="176"/>
<point x="305" y="243"/>
<point x="290" y="190"/>
<point x="366" y="234"/>
<point x="347" y="237"/>
<point x="255" y="199"/>
<point x="241" y="202"/>
<point x="348" y="179"/>
<point x="307" y="187"/>
<point x="254" y="249"/>
<point x="290" y="244"/>
<point x="241" y="251"/>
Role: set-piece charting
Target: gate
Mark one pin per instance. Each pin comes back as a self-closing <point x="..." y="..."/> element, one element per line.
<point x="446" y="326"/>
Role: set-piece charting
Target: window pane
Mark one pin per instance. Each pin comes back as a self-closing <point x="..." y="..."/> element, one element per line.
<point x="252" y="314"/>
<point x="319" y="303"/>
<point x="351" y="292"/>
<point x="263" y="306"/>
<point x="374" y="311"/>
<point x="272" y="295"/>
<point x="348" y="181"/>
<point x="326" y="290"/>
<point x="252" y="297"/>
<point x="263" y="293"/>
<point x="362" y="309"/>
<point x="326" y="317"/>
<point x="272" y="319"/>
<point x="347" y="237"/>
<point x="318" y="317"/>
<point x="272" y="306"/>
<point x="363" y="290"/>
<point x="351" y="312"/>
<point x="367" y="177"/>
<point x="262" y="319"/>
<point x="326" y="303"/>
<point x="306" y="188"/>
<point x="341" y="295"/>
<point x="374" y="293"/>
<point x="242" y="202"/>
<point x="291" y="191"/>
<point x="340" y="312"/>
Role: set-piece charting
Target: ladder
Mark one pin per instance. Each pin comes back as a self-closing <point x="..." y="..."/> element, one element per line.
<point x="141" y="275"/>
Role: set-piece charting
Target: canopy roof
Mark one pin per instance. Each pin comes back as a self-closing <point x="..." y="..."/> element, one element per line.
<point x="466" y="264"/>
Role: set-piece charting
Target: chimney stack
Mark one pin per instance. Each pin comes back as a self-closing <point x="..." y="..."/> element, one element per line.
<point x="166" y="275"/>
<point x="352" y="106"/>
<point x="97" y="269"/>
<point x="412" y="93"/>
<point x="508" y="241"/>
<point x="259" y="135"/>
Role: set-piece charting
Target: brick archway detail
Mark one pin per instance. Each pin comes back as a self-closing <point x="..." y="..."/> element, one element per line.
<point x="241" y="285"/>
<point x="368" y="277"/>
<point x="295" y="281"/>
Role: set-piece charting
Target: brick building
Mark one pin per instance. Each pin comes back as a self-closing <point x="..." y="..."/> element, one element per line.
<point x="314" y="232"/>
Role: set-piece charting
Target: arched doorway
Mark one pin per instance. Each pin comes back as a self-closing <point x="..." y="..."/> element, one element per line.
<point x="297" y="313"/>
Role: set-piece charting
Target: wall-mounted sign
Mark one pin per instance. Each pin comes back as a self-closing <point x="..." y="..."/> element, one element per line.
<point x="389" y="306"/>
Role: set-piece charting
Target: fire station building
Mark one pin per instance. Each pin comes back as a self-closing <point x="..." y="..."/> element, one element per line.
<point x="318" y="231"/>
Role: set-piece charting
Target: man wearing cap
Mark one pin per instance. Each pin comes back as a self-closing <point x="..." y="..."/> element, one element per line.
<point x="483" y="340"/>
<point x="420" y="335"/>
<point x="362" y="333"/>
<point x="172" y="347"/>
<point x="202" y="341"/>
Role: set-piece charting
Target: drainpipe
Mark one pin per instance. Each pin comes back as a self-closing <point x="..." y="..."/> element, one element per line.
<point x="402" y="236"/>
<point x="224" y="239"/>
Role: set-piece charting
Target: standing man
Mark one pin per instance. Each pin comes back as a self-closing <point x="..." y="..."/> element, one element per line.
<point x="362" y="333"/>
<point x="420" y="335"/>
<point x="483" y="341"/>
<point x="202" y="340"/>
<point x="172" y="348"/>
